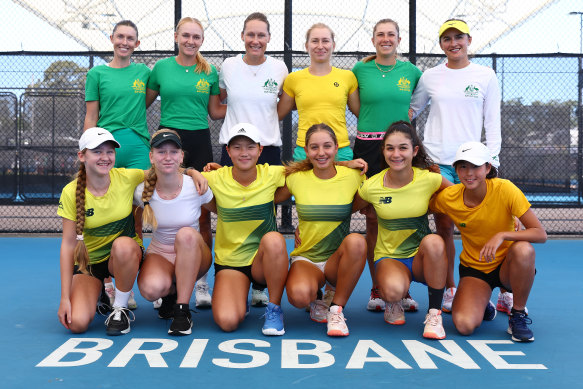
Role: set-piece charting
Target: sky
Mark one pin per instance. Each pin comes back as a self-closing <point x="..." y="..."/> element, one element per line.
<point x="552" y="30"/>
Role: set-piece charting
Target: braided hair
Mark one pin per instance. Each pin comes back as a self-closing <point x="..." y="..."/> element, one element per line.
<point x="80" y="254"/>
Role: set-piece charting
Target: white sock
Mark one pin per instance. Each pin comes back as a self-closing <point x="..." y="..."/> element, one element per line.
<point x="109" y="285"/>
<point x="121" y="298"/>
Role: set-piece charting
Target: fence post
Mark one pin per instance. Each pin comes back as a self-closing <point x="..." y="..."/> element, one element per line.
<point x="580" y="130"/>
<point x="286" y="155"/>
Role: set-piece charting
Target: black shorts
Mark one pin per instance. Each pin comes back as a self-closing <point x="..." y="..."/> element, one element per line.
<point x="197" y="146"/>
<point x="370" y="151"/>
<point x="270" y="155"/>
<point x="243" y="269"/>
<point x="101" y="270"/>
<point x="492" y="278"/>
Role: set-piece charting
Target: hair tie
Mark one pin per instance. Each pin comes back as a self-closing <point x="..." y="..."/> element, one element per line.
<point x="146" y="203"/>
<point x="80" y="237"/>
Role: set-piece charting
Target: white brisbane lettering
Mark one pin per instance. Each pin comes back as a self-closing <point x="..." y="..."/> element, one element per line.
<point x="258" y="358"/>
<point x="420" y="352"/>
<point x="194" y="353"/>
<point x="360" y="356"/>
<point x="494" y="356"/>
<point x="290" y="354"/>
<point x="153" y="356"/>
<point x="90" y="354"/>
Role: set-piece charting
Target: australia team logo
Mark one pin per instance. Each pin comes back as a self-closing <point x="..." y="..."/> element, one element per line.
<point x="471" y="91"/>
<point x="139" y="86"/>
<point x="203" y="86"/>
<point x="404" y="84"/>
<point x="270" y="86"/>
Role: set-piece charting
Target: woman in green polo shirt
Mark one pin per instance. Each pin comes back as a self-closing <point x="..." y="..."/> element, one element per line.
<point x="188" y="87"/>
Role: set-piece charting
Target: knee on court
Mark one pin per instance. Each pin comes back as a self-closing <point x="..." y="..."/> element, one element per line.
<point x="464" y="324"/>
<point x="79" y="325"/>
<point x="227" y="321"/>
<point x="300" y="295"/>
<point x="153" y="289"/>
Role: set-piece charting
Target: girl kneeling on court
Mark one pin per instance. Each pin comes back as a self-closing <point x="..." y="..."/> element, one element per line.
<point x="406" y="250"/>
<point x="247" y="246"/>
<point x="99" y="238"/>
<point x="327" y="252"/>
<point x="494" y="254"/>
<point x="177" y="255"/>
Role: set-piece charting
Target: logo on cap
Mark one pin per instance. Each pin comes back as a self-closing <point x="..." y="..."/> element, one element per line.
<point x="165" y="135"/>
<point x="463" y="151"/>
<point x="242" y="130"/>
<point x="100" y="133"/>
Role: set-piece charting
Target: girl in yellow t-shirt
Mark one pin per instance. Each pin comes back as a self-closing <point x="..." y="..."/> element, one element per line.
<point x="327" y="252"/>
<point x="406" y="250"/>
<point x="320" y="93"/>
<point x="494" y="254"/>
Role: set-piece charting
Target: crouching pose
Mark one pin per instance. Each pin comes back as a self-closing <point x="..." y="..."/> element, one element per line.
<point x="247" y="246"/>
<point x="494" y="254"/>
<point x="327" y="253"/>
<point x="177" y="255"/>
<point x="99" y="238"/>
<point x="406" y="250"/>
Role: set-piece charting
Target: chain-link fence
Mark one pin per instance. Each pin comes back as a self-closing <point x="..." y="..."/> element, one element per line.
<point x="42" y="93"/>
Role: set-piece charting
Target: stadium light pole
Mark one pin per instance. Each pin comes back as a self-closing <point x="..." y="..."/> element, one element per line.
<point x="579" y="109"/>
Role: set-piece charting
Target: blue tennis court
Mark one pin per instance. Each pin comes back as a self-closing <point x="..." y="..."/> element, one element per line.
<point x="36" y="352"/>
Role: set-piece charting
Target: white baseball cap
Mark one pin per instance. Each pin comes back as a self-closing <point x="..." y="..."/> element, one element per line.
<point x="244" y="129"/>
<point x="474" y="152"/>
<point x="95" y="136"/>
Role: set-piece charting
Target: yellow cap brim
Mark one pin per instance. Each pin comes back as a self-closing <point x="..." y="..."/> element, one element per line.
<point x="457" y="24"/>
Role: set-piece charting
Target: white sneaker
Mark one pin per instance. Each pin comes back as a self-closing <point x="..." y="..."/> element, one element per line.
<point x="157" y="303"/>
<point x="132" y="304"/>
<point x="202" y="295"/>
<point x="448" y="299"/>
<point x="394" y="313"/>
<point x="433" y="325"/>
<point x="409" y="305"/>
<point x="375" y="303"/>
<point x="336" y="322"/>
<point x="259" y="297"/>
<point x="505" y="303"/>
<point x="318" y="311"/>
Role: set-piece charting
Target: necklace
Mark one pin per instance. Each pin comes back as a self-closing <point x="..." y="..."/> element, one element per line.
<point x="384" y="71"/>
<point x="251" y="67"/>
<point x="170" y="195"/>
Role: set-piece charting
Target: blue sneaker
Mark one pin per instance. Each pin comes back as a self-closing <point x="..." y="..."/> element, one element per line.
<point x="518" y="327"/>
<point x="273" y="320"/>
<point x="490" y="312"/>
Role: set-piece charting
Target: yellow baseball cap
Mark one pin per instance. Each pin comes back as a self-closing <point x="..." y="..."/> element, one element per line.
<point x="457" y="24"/>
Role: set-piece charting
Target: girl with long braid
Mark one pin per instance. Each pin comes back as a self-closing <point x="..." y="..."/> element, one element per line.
<point x="99" y="238"/>
<point x="177" y="255"/>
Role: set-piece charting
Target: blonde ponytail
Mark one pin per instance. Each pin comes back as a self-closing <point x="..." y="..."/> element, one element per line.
<point x="148" y="217"/>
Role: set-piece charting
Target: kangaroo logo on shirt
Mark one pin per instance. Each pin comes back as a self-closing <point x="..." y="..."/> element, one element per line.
<point x="89" y="212"/>
<point x="471" y="91"/>
<point x="404" y="84"/>
<point x="385" y="200"/>
<point x="139" y="86"/>
<point x="203" y="86"/>
<point x="270" y="86"/>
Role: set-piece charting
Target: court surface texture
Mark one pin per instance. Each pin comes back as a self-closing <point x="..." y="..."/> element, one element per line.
<point x="37" y="352"/>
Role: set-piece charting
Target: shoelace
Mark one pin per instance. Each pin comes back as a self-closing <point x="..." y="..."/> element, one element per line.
<point x="117" y="312"/>
<point x="432" y="319"/>
<point x="270" y="314"/>
<point x="202" y="288"/>
<point x="336" y="318"/>
<point x="520" y="320"/>
<point x="394" y="308"/>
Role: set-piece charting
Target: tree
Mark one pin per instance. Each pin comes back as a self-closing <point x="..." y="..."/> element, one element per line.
<point x="62" y="76"/>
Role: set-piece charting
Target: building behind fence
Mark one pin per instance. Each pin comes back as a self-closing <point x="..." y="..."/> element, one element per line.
<point x="41" y="120"/>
